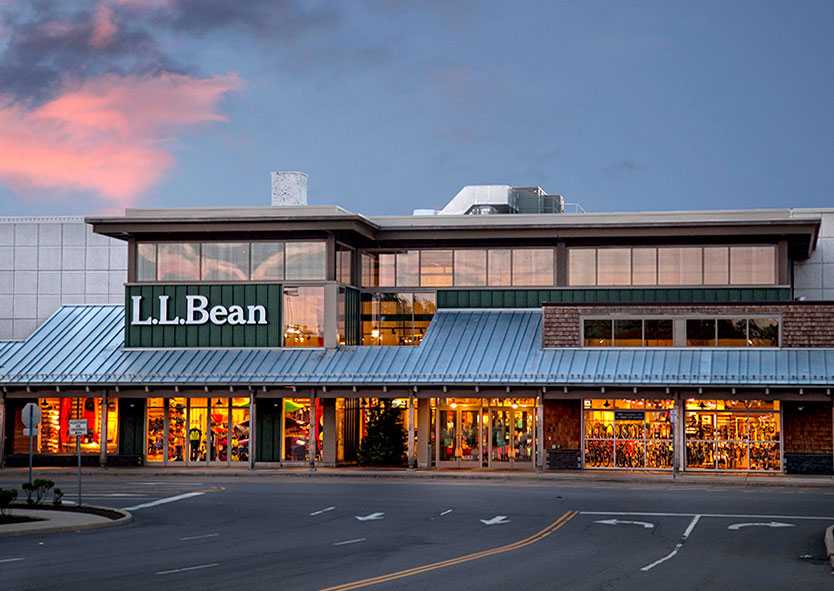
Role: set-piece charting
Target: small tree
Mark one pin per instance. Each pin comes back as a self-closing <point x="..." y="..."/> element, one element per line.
<point x="39" y="488"/>
<point x="384" y="445"/>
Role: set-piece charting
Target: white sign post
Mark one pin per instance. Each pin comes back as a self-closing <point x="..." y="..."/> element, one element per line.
<point x="31" y="418"/>
<point x="674" y="419"/>
<point x="78" y="427"/>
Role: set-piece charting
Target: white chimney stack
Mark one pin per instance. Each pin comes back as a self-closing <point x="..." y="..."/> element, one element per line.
<point x="289" y="188"/>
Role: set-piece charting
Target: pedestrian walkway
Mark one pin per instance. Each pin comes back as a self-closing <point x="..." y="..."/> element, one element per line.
<point x="51" y="521"/>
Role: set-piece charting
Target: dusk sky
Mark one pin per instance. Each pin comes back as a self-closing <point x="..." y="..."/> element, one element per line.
<point x="389" y="106"/>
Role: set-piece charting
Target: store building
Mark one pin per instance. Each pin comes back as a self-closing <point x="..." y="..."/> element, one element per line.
<point x="512" y="335"/>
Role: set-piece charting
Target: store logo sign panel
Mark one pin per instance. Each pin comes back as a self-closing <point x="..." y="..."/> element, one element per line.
<point x="204" y="315"/>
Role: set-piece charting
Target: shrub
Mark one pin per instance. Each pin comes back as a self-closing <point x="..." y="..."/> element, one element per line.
<point x="39" y="489"/>
<point x="57" y="495"/>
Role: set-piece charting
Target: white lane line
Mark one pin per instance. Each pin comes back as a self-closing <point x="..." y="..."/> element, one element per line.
<point x="446" y="512"/>
<point x="677" y="547"/>
<point x="719" y="515"/>
<point x="11" y="559"/>
<point x="168" y="483"/>
<point x="349" y="542"/>
<point x="163" y="501"/>
<point x="200" y="537"/>
<point x="187" y="568"/>
<point x="322" y="511"/>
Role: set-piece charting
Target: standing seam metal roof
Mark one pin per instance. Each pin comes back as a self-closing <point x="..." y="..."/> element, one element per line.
<point x="84" y="345"/>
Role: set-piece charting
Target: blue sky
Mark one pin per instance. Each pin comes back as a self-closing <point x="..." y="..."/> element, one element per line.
<point x="388" y="106"/>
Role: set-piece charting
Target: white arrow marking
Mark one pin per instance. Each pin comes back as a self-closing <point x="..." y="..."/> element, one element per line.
<point x="349" y="542"/>
<point x="645" y="524"/>
<point x="497" y="520"/>
<point x="322" y="511"/>
<point x="738" y="526"/>
<point x="371" y="517"/>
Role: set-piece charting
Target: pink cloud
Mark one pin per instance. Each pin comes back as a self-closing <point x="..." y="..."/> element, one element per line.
<point x="104" y="29"/>
<point x="107" y="136"/>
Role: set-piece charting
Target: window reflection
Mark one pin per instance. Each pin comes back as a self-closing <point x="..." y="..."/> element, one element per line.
<point x="305" y="260"/>
<point x="396" y="319"/>
<point x="498" y="261"/>
<point x="470" y="267"/>
<point x="752" y="265"/>
<point x="268" y="260"/>
<point x="178" y="261"/>
<point x="222" y="261"/>
<point x="532" y="266"/>
<point x="303" y="317"/>
<point x="679" y="266"/>
<point x="408" y="268"/>
<point x="700" y="332"/>
<point x="436" y="268"/>
<point x="146" y="261"/>
<point x="582" y="266"/>
<point x="613" y="266"/>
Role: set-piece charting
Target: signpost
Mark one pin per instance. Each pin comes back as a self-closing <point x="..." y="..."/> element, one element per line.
<point x="78" y="427"/>
<point x="673" y="415"/>
<point x="31" y="417"/>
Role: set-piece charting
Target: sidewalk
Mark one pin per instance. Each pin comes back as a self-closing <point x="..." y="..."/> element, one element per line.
<point x="58" y="521"/>
<point x="554" y="476"/>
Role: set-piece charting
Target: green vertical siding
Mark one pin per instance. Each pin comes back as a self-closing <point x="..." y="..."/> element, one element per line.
<point x="204" y="335"/>
<point x="270" y="417"/>
<point x="352" y="316"/>
<point x="533" y="298"/>
<point x="132" y="426"/>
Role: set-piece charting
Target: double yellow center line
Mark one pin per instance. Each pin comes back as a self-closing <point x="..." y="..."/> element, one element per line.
<point x="461" y="559"/>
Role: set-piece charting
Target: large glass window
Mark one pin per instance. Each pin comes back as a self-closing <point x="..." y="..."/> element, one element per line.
<point x="672" y="265"/>
<point x="700" y="332"/>
<point x="679" y="266"/>
<point x="178" y="261"/>
<point x="732" y="435"/>
<point x="297" y="430"/>
<point x="396" y="318"/>
<point x="370" y="270"/>
<point x="598" y="333"/>
<point x="267" y="261"/>
<point x="436" y="268"/>
<point x="659" y="332"/>
<point x="387" y="268"/>
<point x="732" y="332"/>
<point x="53" y="432"/>
<point x="408" y="268"/>
<point x="225" y="261"/>
<point x="752" y="265"/>
<point x="499" y="267"/>
<point x="532" y="266"/>
<point x="582" y="266"/>
<point x="763" y="332"/>
<point x="613" y="266"/>
<point x="155" y="451"/>
<point x="470" y="267"/>
<point x="303" y="316"/>
<point x="305" y="260"/>
<point x="344" y="260"/>
<point x="146" y="261"/>
<point x="628" y="333"/>
<point x="628" y="434"/>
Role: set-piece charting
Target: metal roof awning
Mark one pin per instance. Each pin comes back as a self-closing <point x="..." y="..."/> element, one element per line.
<point x="84" y="346"/>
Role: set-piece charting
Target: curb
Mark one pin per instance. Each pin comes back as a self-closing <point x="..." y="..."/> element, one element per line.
<point x="829" y="544"/>
<point x="126" y="518"/>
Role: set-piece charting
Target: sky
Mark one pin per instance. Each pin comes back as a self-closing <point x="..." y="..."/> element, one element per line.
<point x="394" y="105"/>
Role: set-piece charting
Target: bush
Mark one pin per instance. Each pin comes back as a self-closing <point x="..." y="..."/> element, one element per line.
<point x="7" y="495"/>
<point x="39" y="488"/>
<point x="385" y="443"/>
<point x="57" y="495"/>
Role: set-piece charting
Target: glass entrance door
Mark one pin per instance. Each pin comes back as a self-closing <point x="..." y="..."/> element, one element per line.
<point x="458" y="437"/>
<point x="511" y="441"/>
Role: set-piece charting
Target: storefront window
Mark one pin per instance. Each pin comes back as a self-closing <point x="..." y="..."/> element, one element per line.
<point x="267" y="261"/>
<point x="239" y="443"/>
<point x="425" y="306"/>
<point x="223" y="261"/>
<point x="178" y="261"/>
<point x="53" y="433"/>
<point x="305" y="260"/>
<point x="297" y="428"/>
<point x="303" y="317"/>
<point x="732" y="332"/>
<point x="177" y="417"/>
<point x="659" y="333"/>
<point x="732" y="435"/>
<point x="436" y="268"/>
<point x="156" y="430"/>
<point x="764" y="332"/>
<point x="628" y="433"/>
<point x="197" y="430"/>
<point x="598" y="333"/>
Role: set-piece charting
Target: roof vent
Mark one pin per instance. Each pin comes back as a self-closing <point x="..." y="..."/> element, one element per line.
<point x="289" y="188"/>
